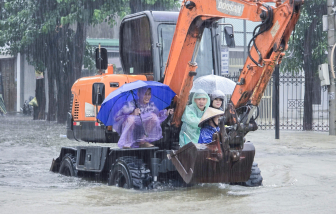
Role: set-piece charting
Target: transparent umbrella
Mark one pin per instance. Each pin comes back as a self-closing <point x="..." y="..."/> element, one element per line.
<point x="210" y="83"/>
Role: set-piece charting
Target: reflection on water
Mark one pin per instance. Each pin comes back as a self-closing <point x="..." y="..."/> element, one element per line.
<point x="298" y="172"/>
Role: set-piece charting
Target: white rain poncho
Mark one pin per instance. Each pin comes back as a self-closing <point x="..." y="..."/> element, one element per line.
<point x="191" y="117"/>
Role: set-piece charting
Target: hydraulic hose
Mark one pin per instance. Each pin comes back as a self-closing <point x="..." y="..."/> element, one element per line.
<point x="264" y="26"/>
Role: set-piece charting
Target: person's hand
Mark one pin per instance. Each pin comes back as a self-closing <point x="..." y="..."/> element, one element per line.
<point x="170" y="111"/>
<point x="136" y="112"/>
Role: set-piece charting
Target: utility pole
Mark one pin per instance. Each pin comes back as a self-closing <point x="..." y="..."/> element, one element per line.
<point x="331" y="89"/>
<point x="276" y="78"/>
<point x="245" y="42"/>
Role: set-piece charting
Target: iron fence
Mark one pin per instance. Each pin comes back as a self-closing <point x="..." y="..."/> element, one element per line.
<point x="291" y="104"/>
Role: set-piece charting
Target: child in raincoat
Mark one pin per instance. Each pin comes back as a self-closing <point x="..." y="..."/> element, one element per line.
<point x="209" y="123"/>
<point x="191" y="117"/>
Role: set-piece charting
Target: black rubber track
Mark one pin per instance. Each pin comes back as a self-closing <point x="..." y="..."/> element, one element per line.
<point x="255" y="178"/>
<point x="130" y="172"/>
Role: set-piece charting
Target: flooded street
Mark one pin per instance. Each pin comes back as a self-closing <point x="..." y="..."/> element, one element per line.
<point x="299" y="172"/>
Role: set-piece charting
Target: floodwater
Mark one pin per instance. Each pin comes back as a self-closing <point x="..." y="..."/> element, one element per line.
<point x="299" y="172"/>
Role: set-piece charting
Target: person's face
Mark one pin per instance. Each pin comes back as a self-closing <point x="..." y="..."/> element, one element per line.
<point x="201" y="102"/>
<point x="147" y="96"/>
<point x="217" y="103"/>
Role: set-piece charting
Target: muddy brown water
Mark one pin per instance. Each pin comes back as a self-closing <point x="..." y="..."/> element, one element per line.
<point x="299" y="172"/>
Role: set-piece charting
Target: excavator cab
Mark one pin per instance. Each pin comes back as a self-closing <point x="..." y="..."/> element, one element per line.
<point x="146" y="38"/>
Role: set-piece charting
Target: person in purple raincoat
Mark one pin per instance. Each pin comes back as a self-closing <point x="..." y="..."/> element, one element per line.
<point x="134" y="133"/>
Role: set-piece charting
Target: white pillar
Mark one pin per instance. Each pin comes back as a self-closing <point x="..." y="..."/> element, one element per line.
<point x="18" y="82"/>
<point x="332" y="87"/>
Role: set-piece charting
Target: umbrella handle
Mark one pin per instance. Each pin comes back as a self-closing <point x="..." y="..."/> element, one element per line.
<point x="143" y="125"/>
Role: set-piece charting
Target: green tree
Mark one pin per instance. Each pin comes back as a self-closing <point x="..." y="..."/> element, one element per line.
<point x="52" y="35"/>
<point x="141" y="5"/>
<point x="307" y="51"/>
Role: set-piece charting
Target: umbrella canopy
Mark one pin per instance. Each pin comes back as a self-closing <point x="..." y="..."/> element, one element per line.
<point x="162" y="96"/>
<point x="210" y="83"/>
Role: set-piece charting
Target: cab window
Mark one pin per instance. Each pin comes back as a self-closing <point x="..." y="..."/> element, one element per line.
<point x="136" y="47"/>
<point x="98" y="93"/>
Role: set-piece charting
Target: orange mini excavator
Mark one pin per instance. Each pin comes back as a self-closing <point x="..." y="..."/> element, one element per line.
<point x="173" y="48"/>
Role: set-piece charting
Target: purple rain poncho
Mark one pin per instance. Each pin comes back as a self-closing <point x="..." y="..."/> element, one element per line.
<point x="130" y="128"/>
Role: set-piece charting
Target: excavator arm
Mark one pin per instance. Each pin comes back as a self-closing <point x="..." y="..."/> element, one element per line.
<point x="268" y="44"/>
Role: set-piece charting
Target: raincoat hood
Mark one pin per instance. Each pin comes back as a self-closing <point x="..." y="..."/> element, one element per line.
<point x="141" y="93"/>
<point x="217" y="94"/>
<point x="200" y="93"/>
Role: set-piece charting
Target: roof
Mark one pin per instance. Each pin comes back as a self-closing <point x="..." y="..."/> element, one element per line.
<point x="158" y="16"/>
<point x="6" y="56"/>
<point x="165" y="16"/>
<point x="103" y="42"/>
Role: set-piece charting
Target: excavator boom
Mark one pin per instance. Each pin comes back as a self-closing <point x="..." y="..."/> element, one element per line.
<point x="269" y="41"/>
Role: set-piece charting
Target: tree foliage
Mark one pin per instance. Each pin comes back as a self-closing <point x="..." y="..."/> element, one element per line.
<point x="307" y="50"/>
<point x="52" y="36"/>
<point x="308" y="25"/>
<point x="140" y="5"/>
<point x="26" y="22"/>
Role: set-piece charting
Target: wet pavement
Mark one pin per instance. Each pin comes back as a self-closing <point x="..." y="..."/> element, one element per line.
<point x="299" y="172"/>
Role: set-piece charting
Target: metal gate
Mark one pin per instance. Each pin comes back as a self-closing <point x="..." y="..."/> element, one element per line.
<point x="291" y="104"/>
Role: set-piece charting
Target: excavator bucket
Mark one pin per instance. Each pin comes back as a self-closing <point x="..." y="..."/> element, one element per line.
<point x="200" y="163"/>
